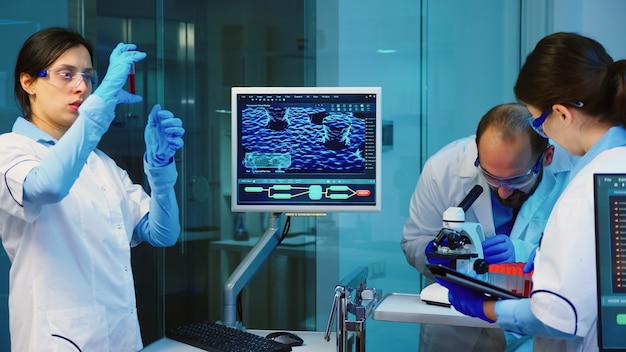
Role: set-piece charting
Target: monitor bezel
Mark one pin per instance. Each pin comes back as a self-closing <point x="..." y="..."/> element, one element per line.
<point x="303" y="209"/>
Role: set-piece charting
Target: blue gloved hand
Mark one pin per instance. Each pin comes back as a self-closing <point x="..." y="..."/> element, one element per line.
<point x="465" y="300"/>
<point x="499" y="249"/>
<point x="120" y="62"/>
<point x="163" y="136"/>
<point x="530" y="262"/>
<point x="431" y="259"/>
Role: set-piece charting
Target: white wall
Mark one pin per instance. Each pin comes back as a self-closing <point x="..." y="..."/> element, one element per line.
<point x="602" y="20"/>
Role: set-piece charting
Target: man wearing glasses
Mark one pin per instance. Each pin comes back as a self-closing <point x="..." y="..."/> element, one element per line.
<point x="524" y="174"/>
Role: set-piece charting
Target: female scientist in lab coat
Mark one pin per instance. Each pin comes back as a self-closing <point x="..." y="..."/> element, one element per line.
<point x="68" y="213"/>
<point x="577" y="95"/>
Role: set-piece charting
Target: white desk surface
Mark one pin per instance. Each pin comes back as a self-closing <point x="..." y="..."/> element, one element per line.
<point x="313" y="342"/>
<point x="409" y="308"/>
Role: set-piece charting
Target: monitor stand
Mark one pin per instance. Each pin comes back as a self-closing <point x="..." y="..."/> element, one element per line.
<point x="246" y="270"/>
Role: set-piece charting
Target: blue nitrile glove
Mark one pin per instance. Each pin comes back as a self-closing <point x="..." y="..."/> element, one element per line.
<point x="498" y="249"/>
<point x="161" y="226"/>
<point x="120" y="62"/>
<point x="465" y="300"/>
<point x="530" y="262"/>
<point x="445" y="261"/>
<point x="163" y="136"/>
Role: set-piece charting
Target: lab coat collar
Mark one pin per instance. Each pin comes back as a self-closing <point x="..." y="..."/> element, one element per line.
<point x="562" y="161"/>
<point x="467" y="169"/>
<point x="26" y="128"/>
<point x="614" y="137"/>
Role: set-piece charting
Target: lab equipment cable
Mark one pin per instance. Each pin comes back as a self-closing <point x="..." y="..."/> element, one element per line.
<point x="286" y="228"/>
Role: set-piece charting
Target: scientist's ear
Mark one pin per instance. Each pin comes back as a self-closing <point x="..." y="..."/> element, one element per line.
<point x="27" y="81"/>
<point x="564" y="112"/>
<point x="548" y="156"/>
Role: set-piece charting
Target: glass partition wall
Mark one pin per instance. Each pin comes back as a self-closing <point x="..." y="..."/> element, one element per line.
<point x="439" y="71"/>
<point x="198" y="50"/>
<point x="442" y="64"/>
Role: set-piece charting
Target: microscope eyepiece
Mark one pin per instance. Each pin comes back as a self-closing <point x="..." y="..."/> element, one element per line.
<point x="471" y="197"/>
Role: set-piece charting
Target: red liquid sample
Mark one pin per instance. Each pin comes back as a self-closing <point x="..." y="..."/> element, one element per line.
<point x="132" y="85"/>
<point x="132" y="88"/>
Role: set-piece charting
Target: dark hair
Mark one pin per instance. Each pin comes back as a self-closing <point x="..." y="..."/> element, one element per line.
<point x="38" y="52"/>
<point x="566" y="68"/>
<point x="512" y="120"/>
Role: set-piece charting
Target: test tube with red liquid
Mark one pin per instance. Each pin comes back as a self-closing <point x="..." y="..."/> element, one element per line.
<point x="511" y="276"/>
<point x="132" y="83"/>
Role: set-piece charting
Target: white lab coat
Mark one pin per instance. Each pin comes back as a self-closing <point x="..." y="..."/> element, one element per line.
<point x="71" y="276"/>
<point x="447" y="177"/>
<point x="564" y="281"/>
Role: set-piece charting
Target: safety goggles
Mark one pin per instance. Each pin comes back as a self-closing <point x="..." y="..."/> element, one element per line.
<point x="69" y="77"/>
<point x="514" y="182"/>
<point x="537" y="123"/>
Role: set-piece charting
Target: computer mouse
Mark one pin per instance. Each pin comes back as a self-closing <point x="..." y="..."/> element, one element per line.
<point x="286" y="338"/>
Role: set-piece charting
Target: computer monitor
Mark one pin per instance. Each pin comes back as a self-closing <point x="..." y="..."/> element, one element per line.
<point x="306" y="149"/>
<point x="610" y="216"/>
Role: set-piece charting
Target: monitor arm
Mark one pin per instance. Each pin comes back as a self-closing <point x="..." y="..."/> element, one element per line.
<point x="248" y="268"/>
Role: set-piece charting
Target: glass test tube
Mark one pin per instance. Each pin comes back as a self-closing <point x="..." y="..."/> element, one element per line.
<point x="132" y="85"/>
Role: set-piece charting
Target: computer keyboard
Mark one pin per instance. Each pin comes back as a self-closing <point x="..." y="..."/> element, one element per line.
<point x="215" y="337"/>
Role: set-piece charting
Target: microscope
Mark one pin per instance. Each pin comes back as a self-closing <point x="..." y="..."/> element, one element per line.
<point x="459" y="244"/>
<point x="460" y="241"/>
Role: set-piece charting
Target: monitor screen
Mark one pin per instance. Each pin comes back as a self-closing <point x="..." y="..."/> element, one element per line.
<point x="306" y="149"/>
<point x="610" y="220"/>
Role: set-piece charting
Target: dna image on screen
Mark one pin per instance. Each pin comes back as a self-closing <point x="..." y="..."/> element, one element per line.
<point x="296" y="139"/>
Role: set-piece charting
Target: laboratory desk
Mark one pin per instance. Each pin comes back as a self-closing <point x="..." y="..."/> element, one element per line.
<point x="313" y="342"/>
<point x="409" y="308"/>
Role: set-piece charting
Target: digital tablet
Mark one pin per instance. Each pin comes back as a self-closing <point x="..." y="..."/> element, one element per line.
<point x="456" y="277"/>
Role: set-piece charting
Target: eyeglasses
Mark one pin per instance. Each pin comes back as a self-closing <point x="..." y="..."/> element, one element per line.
<point x="514" y="182"/>
<point x="69" y="77"/>
<point x="537" y="123"/>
